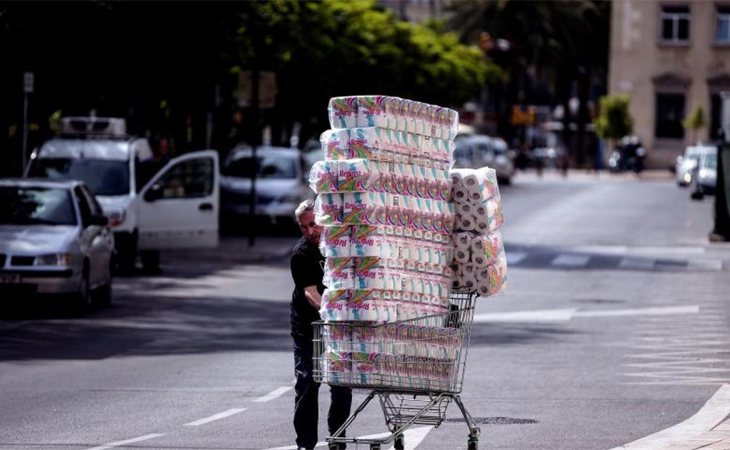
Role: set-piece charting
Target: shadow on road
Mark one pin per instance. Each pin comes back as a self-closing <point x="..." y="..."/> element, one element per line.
<point x="160" y="326"/>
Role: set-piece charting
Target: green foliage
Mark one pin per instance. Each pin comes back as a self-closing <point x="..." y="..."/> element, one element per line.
<point x="614" y="120"/>
<point x="695" y="120"/>
<point x="343" y="47"/>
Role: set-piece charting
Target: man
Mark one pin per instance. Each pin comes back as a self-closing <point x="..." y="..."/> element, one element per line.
<point x="307" y="271"/>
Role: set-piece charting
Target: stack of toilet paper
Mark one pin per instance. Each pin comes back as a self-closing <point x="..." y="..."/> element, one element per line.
<point x="479" y="260"/>
<point x="384" y="204"/>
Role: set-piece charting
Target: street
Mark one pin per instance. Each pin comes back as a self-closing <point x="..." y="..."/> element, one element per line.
<point x="615" y="325"/>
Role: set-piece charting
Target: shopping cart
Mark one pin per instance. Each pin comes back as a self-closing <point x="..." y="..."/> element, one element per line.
<point x="415" y="368"/>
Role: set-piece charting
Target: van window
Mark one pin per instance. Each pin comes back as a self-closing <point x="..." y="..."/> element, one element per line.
<point x="102" y="176"/>
<point x="188" y="179"/>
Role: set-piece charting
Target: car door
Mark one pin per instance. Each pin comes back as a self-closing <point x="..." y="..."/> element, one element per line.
<point x="96" y="240"/>
<point x="178" y="208"/>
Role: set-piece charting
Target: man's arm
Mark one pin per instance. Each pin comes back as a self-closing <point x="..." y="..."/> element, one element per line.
<point x="313" y="297"/>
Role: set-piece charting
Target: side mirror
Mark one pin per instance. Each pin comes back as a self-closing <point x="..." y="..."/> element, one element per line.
<point x="153" y="193"/>
<point x="99" y="219"/>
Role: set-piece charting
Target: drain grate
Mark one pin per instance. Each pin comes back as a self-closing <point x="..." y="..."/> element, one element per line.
<point x="495" y="421"/>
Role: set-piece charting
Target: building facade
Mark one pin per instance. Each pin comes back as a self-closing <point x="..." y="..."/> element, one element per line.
<point x="670" y="57"/>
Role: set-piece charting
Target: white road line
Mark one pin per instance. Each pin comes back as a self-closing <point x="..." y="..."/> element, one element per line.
<point x="547" y="315"/>
<point x="515" y="257"/>
<point x="411" y="437"/>
<point x="570" y="261"/>
<point x="128" y="441"/>
<point x="564" y="315"/>
<point x="278" y="392"/>
<point x="636" y="263"/>
<point x="655" y="311"/>
<point x="713" y="412"/>
<point x="705" y="264"/>
<point x="214" y="417"/>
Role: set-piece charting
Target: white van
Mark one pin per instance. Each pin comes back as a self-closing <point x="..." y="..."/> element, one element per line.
<point x="170" y="208"/>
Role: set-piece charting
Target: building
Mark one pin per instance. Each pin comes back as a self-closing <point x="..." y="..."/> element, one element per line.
<point x="670" y="57"/>
<point x="416" y="10"/>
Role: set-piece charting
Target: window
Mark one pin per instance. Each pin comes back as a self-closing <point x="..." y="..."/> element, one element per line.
<point x="669" y="115"/>
<point x="722" y="24"/>
<point x="36" y="206"/>
<point x="104" y="177"/>
<point x="675" y="24"/>
<point x="188" y="179"/>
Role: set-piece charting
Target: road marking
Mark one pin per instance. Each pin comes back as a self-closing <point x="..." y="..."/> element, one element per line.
<point x="218" y="416"/>
<point x="654" y="311"/>
<point x="712" y="413"/>
<point x="515" y="257"/>
<point x="570" y="261"/>
<point x="411" y="437"/>
<point x="705" y="264"/>
<point x="128" y="441"/>
<point x="278" y="392"/>
<point x="636" y="263"/>
<point x="564" y="315"/>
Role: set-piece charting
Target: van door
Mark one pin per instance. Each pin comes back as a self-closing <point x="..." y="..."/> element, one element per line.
<point x="178" y="208"/>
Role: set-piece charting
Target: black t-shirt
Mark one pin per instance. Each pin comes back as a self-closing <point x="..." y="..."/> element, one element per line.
<point x="306" y="270"/>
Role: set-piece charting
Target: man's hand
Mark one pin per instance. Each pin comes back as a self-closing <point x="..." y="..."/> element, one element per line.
<point x="313" y="297"/>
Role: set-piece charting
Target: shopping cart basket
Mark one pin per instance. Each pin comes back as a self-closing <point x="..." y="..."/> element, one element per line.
<point x="415" y="367"/>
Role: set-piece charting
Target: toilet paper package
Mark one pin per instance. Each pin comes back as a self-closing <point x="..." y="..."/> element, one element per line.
<point x="474" y="186"/>
<point x="371" y="240"/>
<point x="336" y="144"/>
<point x="323" y="176"/>
<point x="339" y="273"/>
<point x="335" y="241"/>
<point x="363" y="208"/>
<point x="492" y="278"/>
<point x="371" y="272"/>
<point x="371" y="111"/>
<point x="334" y="305"/>
<point x="486" y="249"/>
<point x="368" y="143"/>
<point x="494" y="214"/>
<point x="338" y="338"/>
<point x="337" y="367"/>
<point x="328" y="209"/>
<point x="342" y="112"/>
<point x="366" y="305"/>
<point x="356" y="175"/>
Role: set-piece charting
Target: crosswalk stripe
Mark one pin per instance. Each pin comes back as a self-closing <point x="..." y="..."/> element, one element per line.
<point x="636" y="263"/>
<point x="570" y="260"/>
<point x="515" y="257"/>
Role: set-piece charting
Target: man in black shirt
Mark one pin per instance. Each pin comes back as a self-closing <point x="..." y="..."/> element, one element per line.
<point x="307" y="271"/>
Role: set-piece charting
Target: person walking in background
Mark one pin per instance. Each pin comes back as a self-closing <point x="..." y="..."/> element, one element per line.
<point x="307" y="271"/>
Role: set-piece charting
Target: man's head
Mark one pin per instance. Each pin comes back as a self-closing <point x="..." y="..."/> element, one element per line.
<point x="305" y="219"/>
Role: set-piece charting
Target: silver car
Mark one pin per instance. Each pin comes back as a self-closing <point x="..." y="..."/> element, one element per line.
<point x="479" y="150"/>
<point x="54" y="239"/>
<point x="687" y="163"/>
<point x="280" y="182"/>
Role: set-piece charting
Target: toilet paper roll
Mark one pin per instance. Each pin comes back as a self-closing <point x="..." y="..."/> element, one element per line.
<point x="494" y="214"/>
<point x="342" y="112"/>
<point x="487" y="249"/>
<point x="465" y="222"/>
<point x="492" y="278"/>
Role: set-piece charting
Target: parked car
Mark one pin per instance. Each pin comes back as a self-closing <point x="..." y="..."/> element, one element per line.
<point x="686" y="163"/>
<point x="704" y="176"/>
<point x="151" y="206"/>
<point x="281" y="182"/>
<point x="480" y="150"/>
<point x="54" y="239"/>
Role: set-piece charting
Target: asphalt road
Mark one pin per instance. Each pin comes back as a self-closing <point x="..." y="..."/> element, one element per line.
<point x="615" y="325"/>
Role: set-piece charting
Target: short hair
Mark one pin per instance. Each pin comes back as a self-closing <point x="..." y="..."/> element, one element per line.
<point x="305" y="206"/>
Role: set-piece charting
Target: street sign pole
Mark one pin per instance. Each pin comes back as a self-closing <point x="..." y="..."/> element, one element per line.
<point x="27" y="89"/>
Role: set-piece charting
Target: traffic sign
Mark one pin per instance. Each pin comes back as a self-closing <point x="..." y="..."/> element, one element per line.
<point x="28" y="82"/>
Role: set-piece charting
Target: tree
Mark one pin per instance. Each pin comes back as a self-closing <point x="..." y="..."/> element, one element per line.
<point x="344" y="47"/>
<point x="695" y="121"/>
<point x="614" y="120"/>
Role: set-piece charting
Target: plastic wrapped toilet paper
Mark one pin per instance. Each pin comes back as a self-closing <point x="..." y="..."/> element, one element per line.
<point x="473" y="186"/>
<point x="337" y="338"/>
<point x="368" y="143"/>
<point x="486" y="249"/>
<point x="343" y="111"/>
<point x="323" y="176"/>
<point x="462" y="247"/>
<point x="339" y="273"/>
<point x="335" y="241"/>
<point x="372" y="240"/>
<point x="328" y="209"/>
<point x="337" y="367"/>
<point x="371" y="111"/>
<point x="492" y="278"/>
<point x="355" y="175"/>
<point x="494" y="214"/>
<point x="335" y="144"/>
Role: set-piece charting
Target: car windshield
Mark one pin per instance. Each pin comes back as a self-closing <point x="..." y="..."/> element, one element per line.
<point x="104" y="177"/>
<point x="709" y="162"/>
<point x="269" y="166"/>
<point x="36" y="206"/>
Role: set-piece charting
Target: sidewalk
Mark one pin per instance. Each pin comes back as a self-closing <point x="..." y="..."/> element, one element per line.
<point x="591" y="175"/>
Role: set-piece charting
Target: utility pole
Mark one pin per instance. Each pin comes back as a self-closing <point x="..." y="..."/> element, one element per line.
<point x="28" y="81"/>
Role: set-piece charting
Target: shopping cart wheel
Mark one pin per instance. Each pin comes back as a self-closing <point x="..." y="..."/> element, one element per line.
<point x="374" y="446"/>
<point x="333" y="446"/>
<point x="473" y="443"/>
<point x="399" y="443"/>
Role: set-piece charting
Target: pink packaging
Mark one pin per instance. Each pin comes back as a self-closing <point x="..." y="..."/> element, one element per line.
<point x="328" y="209"/>
<point x="356" y="175"/>
<point x="335" y="144"/>
<point x="342" y="112"/>
<point x="338" y="273"/>
<point x="371" y="111"/>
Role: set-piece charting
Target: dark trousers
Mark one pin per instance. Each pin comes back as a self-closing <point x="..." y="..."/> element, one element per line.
<point x="306" y="408"/>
